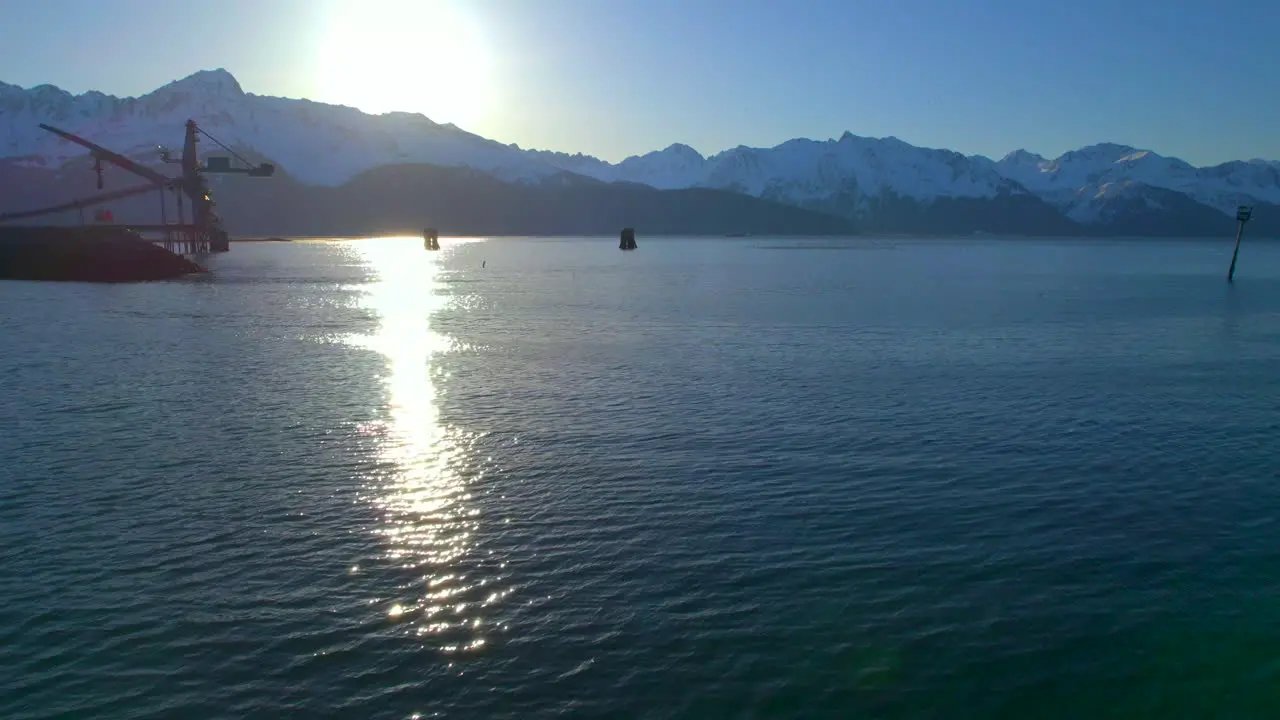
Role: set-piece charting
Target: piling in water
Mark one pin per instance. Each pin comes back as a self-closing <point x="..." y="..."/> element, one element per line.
<point x="1243" y="213"/>
<point x="431" y="239"/>
<point x="86" y="254"/>
<point x="628" y="240"/>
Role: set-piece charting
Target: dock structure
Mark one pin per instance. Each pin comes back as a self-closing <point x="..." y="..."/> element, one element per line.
<point x="431" y="239"/>
<point x="202" y="233"/>
<point x="1243" y="213"/>
<point x="92" y="253"/>
<point x="628" y="239"/>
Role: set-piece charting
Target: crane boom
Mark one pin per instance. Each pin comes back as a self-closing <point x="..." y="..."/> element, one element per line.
<point x="112" y="157"/>
<point x="77" y="204"/>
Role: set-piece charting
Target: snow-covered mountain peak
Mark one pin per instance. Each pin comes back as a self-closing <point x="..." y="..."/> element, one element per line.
<point x="48" y="93"/>
<point x="1023" y="158"/>
<point x="1062" y="176"/>
<point x="207" y="83"/>
<point x="1100" y="152"/>
<point x="675" y="166"/>
<point x="205" y="93"/>
<point x="851" y="170"/>
<point x="848" y="138"/>
<point x="1081" y="182"/>
<point x="683" y="151"/>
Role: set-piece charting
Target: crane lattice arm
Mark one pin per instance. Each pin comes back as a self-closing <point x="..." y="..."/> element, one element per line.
<point x="114" y="158"/>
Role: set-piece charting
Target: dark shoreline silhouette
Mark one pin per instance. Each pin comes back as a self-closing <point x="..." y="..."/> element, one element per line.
<point x="86" y="254"/>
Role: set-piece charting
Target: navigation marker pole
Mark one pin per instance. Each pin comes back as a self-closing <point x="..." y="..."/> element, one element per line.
<point x="1243" y="213"/>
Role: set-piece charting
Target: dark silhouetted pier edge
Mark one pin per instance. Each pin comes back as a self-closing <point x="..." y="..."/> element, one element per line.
<point x="86" y="254"/>
<point x="431" y="239"/>
<point x="628" y="239"/>
<point x="1243" y="213"/>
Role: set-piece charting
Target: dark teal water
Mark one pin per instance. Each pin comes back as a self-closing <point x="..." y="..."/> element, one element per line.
<point x="748" y="478"/>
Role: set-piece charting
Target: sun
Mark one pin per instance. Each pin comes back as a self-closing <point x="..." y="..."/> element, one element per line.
<point x="424" y="56"/>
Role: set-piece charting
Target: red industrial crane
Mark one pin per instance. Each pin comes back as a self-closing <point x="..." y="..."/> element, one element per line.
<point x="204" y="233"/>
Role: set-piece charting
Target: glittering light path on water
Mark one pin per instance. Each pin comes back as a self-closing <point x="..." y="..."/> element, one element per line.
<point x="422" y="485"/>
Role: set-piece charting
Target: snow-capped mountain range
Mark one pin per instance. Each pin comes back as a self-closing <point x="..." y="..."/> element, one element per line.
<point x="852" y="176"/>
<point x="1077" y="179"/>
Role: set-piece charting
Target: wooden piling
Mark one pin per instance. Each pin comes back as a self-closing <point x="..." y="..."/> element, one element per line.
<point x="1243" y="213"/>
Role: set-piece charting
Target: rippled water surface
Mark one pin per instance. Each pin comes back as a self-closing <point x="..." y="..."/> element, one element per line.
<point x="710" y="478"/>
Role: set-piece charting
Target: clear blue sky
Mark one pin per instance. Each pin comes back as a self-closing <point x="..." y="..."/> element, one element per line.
<point x="1192" y="78"/>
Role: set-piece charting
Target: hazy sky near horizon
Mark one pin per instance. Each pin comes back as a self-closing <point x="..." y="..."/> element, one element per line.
<point x="612" y="78"/>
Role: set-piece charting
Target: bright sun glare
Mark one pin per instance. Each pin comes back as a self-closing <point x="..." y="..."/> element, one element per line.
<point x="426" y="56"/>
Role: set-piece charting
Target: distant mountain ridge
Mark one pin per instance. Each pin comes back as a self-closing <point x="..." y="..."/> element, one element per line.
<point x="877" y="184"/>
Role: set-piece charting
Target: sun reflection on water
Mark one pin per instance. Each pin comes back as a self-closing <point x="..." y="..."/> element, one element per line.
<point x="429" y="520"/>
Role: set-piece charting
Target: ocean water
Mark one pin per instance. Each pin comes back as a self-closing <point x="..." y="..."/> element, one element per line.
<point x="706" y="479"/>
